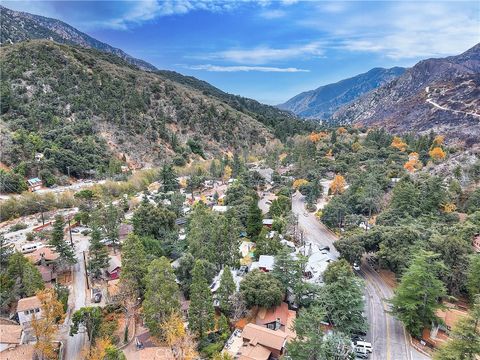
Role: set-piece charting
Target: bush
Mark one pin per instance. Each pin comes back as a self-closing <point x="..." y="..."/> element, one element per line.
<point x="18" y="226"/>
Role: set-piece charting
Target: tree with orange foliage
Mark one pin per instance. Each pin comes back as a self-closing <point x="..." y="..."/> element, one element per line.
<point x="45" y="327"/>
<point x="437" y="154"/>
<point x="398" y="144"/>
<point x="413" y="164"/>
<point x="338" y="185"/>
<point x="314" y="137"/>
<point x="299" y="182"/>
<point x="341" y="130"/>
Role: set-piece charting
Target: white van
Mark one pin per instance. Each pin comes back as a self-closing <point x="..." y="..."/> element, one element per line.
<point x="28" y="248"/>
<point x="362" y="346"/>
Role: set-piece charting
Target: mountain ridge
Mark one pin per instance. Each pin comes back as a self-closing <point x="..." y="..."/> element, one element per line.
<point x="19" y="26"/>
<point x="323" y="101"/>
<point x="405" y="104"/>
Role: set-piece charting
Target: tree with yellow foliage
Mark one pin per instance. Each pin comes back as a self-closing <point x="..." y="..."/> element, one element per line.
<point x="449" y="207"/>
<point x="338" y="185"/>
<point x="104" y="349"/>
<point x="329" y="153"/>
<point x="356" y="146"/>
<point x="398" y="144"/>
<point x="299" y="182"/>
<point x="227" y="173"/>
<point x="439" y="140"/>
<point x="45" y="327"/>
<point x="177" y="338"/>
<point x="437" y="154"/>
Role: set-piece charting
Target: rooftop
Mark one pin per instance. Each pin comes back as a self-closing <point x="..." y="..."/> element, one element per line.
<point x="114" y="262"/>
<point x="10" y="334"/>
<point x="28" y="303"/>
<point x="256" y="334"/>
<point x="267" y="316"/>
<point x="46" y="252"/>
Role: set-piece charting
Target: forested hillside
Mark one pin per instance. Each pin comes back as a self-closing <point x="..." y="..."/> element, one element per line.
<point x="82" y="108"/>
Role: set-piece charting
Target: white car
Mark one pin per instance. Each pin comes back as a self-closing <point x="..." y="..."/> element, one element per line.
<point x="356" y="267"/>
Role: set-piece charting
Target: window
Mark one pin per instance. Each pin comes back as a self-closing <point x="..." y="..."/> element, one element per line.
<point x="25" y="312"/>
<point x="37" y="310"/>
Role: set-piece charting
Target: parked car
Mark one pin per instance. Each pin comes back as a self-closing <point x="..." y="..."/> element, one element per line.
<point x="363" y="346"/>
<point x="96" y="295"/>
<point x="356" y="267"/>
<point x="75" y="230"/>
<point x="325" y="248"/>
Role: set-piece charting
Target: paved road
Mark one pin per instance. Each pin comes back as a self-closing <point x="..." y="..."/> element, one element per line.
<point x="75" y="344"/>
<point x="387" y="334"/>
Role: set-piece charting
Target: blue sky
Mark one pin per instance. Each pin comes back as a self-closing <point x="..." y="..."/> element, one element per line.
<point x="272" y="50"/>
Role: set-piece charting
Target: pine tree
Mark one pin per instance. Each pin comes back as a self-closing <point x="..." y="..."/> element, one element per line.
<point x="134" y="264"/>
<point x="57" y="241"/>
<point x="226" y="290"/>
<point x="254" y="220"/>
<point x="161" y="296"/>
<point x="97" y="252"/>
<point x="201" y="313"/>
<point x="168" y="178"/>
<point x="417" y="297"/>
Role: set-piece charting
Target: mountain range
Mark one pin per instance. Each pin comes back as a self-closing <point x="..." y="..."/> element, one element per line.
<point x="322" y="102"/>
<point x="436" y="94"/>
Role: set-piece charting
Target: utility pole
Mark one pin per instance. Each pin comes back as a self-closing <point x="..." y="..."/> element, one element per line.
<point x="68" y="171"/>
<point x="70" y="231"/>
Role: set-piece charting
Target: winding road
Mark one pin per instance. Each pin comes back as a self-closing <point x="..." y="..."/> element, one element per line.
<point x="387" y="334"/>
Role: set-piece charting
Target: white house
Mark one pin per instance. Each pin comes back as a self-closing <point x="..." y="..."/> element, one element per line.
<point x="26" y="307"/>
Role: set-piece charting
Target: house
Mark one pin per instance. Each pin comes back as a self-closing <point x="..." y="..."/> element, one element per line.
<point x="267" y="223"/>
<point x="274" y="318"/>
<point x="440" y="332"/>
<point x="260" y="343"/>
<point x="49" y="273"/>
<point x="26" y="307"/>
<point x="476" y="243"/>
<point x="317" y="262"/>
<point x="123" y="231"/>
<point x="11" y="335"/>
<point x="265" y="263"/>
<point x="114" y="267"/>
<point x="34" y="184"/>
<point x="43" y="256"/>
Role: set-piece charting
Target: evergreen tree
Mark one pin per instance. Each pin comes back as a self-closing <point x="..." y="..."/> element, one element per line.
<point x="237" y="166"/>
<point x="214" y="169"/>
<point x="134" y="264"/>
<point x="473" y="276"/>
<point x="97" y="253"/>
<point x="57" y="241"/>
<point x="201" y="314"/>
<point x="417" y="297"/>
<point x="261" y="289"/>
<point x="111" y="217"/>
<point x="464" y="343"/>
<point x="23" y="279"/>
<point x="254" y="220"/>
<point x="289" y="270"/>
<point x="341" y="297"/>
<point x="226" y="290"/>
<point x="161" y="296"/>
<point x="168" y="178"/>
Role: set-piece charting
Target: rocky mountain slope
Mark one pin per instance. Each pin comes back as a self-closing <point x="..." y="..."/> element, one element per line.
<point x="436" y="94"/>
<point x="322" y="102"/>
<point x="19" y="26"/>
<point x="80" y="108"/>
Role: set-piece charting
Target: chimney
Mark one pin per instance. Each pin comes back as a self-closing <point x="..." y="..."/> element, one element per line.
<point x="277" y="324"/>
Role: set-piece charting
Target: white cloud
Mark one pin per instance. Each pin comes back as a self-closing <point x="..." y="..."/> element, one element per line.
<point x="265" y="54"/>
<point x="273" y="14"/>
<point x="403" y="30"/>
<point x="237" y="68"/>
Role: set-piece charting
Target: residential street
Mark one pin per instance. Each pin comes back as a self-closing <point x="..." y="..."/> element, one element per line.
<point x="387" y="335"/>
<point x="74" y="344"/>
